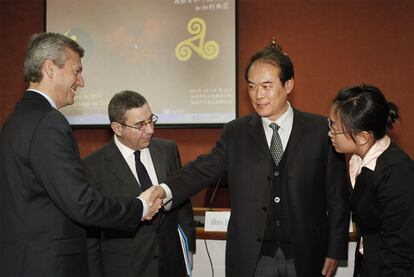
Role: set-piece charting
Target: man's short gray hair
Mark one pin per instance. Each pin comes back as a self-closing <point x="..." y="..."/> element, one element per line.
<point x="43" y="46"/>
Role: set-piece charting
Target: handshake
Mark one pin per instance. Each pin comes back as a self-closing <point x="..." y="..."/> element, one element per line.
<point x="154" y="197"/>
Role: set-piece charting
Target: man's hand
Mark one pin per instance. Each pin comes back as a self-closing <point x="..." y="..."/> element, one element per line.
<point x="153" y="209"/>
<point x="329" y="267"/>
<point x="157" y="192"/>
<point x="154" y="203"/>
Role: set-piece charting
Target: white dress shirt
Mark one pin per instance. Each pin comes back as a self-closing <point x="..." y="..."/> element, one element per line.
<point x="285" y="122"/>
<point x="146" y="159"/>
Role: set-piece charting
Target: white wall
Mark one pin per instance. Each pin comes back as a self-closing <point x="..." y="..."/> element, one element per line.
<point x="216" y="248"/>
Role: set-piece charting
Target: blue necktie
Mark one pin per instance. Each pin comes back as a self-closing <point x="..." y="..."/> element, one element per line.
<point x="276" y="148"/>
<point x="143" y="177"/>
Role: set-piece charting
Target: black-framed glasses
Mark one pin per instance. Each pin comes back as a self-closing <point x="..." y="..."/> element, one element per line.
<point x="142" y="124"/>
<point x="332" y="131"/>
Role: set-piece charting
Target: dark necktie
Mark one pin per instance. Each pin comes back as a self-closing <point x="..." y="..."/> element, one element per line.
<point x="276" y="148"/>
<point x="143" y="177"/>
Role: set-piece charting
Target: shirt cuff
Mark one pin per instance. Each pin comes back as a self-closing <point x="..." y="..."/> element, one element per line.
<point x="167" y="201"/>
<point x="144" y="208"/>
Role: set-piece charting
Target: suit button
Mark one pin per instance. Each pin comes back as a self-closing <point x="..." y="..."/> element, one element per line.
<point x="259" y="240"/>
<point x="156" y="257"/>
<point x="264" y="209"/>
<point x="269" y="178"/>
<point x="277" y="223"/>
<point x="276" y="173"/>
<point x="277" y="199"/>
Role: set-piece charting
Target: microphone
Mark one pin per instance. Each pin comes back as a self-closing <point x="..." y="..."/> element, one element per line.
<point x="210" y="208"/>
<point x="214" y="193"/>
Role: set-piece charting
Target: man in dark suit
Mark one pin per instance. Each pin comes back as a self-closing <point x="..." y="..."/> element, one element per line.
<point x="154" y="249"/>
<point x="44" y="192"/>
<point x="289" y="191"/>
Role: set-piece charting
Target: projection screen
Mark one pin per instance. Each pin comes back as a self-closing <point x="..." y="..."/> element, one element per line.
<point x="180" y="54"/>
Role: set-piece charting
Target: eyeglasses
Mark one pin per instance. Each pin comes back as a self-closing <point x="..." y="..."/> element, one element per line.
<point x="332" y="132"/>
<point x="142" y="124"/>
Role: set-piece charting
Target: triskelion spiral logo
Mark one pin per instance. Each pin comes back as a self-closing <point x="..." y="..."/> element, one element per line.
<point x="207" y="50"/>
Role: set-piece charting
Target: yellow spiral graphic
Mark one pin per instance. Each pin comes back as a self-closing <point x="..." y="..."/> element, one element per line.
<point x="207" y="50"/>
<point x="183" y="51"/>
<point x="211" y="50"/>
<point x="196" y="25"/>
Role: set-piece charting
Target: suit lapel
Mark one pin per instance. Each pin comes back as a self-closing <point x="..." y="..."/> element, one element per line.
<point x="117" y="165"/>
<point x="256" y="132"/>
<point x="158" y="160"/>
<point x="297" y="133"/>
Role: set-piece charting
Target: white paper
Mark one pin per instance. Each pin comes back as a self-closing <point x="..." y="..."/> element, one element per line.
<point x="216" y="221"/>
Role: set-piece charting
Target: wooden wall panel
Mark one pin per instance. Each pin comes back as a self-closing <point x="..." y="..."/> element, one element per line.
<point x="19" y="19"/>
<point x="334" y="44"/>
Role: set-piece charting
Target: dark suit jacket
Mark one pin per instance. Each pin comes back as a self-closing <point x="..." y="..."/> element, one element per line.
<point x="317" y="185"/>
<point x="383" y="210"/>
<point x="44" y="195"/>
<point x="154" y="249"/>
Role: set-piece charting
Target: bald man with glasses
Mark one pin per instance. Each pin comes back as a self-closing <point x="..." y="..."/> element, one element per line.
<point x="128" y="164"/>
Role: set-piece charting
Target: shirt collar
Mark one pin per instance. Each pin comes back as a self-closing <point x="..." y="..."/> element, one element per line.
<point x="356" y="163"/>
<point x="125" y="150"/>
<point x="284" y="121"/>
<point x="48" y="98"/>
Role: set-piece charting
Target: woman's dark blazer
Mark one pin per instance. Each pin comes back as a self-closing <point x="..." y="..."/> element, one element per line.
<point x="383" y="209"/>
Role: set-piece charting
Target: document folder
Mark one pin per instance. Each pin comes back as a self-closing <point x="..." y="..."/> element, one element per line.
<point x="184" y="248"/>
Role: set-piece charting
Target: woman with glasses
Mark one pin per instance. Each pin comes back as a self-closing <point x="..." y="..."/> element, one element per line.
<point x="383" y="178"/>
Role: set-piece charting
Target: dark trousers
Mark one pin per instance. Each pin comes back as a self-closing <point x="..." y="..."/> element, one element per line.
<point x="276" y="266"/>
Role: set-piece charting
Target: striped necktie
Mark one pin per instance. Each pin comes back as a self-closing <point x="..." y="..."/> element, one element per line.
<point x="276" y="148"/>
